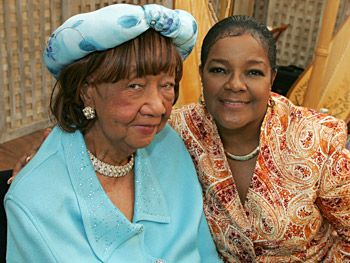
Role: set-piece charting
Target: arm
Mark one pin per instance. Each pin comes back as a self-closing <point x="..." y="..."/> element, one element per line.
<point x="334" y="196"/>
<point x="24" y="240"/>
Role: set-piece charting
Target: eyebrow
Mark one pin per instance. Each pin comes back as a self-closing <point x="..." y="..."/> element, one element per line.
<point x="256" y="61"/>
<point x="249" y="62"/>
<point x="218" y="60"/>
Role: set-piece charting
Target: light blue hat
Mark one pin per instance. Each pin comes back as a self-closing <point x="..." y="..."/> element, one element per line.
<point x="113" y="25"/>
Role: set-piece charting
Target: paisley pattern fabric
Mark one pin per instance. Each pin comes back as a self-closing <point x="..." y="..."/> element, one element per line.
<point x="113" y="25"/>
<point x="298" y="204"/>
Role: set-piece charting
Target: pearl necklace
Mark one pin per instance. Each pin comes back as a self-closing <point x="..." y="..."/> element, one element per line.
<point x="241" y="158"/>
<point x="111" y="170"/>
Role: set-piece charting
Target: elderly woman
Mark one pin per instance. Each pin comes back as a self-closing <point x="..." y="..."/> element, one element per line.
<point x="112" y="182"/>
<point x="275" y="177"/>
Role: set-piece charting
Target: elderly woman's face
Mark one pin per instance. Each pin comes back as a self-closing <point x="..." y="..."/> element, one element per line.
<point x="237" y="79"/>
<point x="131" y="111"/>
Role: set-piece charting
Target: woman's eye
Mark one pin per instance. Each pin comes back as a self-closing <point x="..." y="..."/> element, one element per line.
<point x="217" y="70"/>
<point x="134" y="86"/>
<point x="255" y="72"/>
<point x="168" y="86"/>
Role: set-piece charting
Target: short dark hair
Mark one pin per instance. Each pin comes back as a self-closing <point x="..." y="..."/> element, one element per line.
<point x="236" y="26"/>
<point x="153" y="52"/>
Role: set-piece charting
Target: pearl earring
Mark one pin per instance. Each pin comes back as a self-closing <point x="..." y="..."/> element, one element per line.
<point x="89" y="113"/>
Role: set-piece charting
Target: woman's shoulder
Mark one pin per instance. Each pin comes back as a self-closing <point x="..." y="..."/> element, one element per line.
<point x="306" y="115"/>
<point x="185" y="110"/>
<point x="181" y="117"/>
<point x="38" y="174"/>
<point x="300" y="120"/>
<point x="168" y="139"/>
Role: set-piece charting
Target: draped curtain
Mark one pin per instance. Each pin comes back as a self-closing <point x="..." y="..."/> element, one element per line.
<point x="190" y="85"/>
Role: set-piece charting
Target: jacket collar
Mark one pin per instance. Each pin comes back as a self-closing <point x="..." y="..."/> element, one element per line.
<point x="105" y="226"/>
<point x="150" y="203"/>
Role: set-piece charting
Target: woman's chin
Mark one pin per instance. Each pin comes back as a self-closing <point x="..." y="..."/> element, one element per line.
<point x="142" y="143"/>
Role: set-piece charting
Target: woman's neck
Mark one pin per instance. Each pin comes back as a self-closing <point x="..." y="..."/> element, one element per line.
<point x="105" y="150"/>
<point x="240" y="141"/>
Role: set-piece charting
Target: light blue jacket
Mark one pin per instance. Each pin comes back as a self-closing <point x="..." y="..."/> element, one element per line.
<point x="58" y="212"/>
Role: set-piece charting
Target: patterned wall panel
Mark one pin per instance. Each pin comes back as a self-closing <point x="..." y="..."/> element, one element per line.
<point x="296" y="45"/>
<point x="343" y="13"/>
<point x="260" y="10"/>
<point x="25" y="84"/>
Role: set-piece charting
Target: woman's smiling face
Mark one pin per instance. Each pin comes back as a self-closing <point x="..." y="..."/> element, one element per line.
<point x="237" y="79"/>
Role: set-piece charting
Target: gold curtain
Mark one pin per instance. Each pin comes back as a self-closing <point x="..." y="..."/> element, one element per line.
<point x="190" y="85"/>
<point x="316" y="83"/>
<point x="242" y="7"/>
<point x="336" y="80"/>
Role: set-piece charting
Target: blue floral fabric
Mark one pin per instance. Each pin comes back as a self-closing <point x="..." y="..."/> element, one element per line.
<point x="113" y="25"/>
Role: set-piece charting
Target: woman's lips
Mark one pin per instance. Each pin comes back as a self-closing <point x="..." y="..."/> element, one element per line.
<point x="234" y="104"/>
<point x="147" y="129"/>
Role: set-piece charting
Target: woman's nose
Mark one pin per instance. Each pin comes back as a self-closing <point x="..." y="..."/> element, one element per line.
<point x="154" y="103"/>
<point x="236" y="82"/>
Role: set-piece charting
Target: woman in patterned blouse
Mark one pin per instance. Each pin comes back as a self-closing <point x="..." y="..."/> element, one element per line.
<point x="275" y="177"/>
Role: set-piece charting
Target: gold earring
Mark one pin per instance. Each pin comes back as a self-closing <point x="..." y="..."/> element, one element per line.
<point x="270" y="102"/>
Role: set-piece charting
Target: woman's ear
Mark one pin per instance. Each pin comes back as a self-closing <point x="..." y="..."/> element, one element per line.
<point x="200" y="69"/>
<point x="273" y="75"/>
<point x="87" y="94"/>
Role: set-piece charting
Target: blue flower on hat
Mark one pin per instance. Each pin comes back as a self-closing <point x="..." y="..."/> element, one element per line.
<point x="161" y="21"/>
<point x="87" y="46"/>
<point x="194" y="26"/>
<point x="171" y="25"/>
<point x="49" y="48"/>
<point x="128" y="21"/>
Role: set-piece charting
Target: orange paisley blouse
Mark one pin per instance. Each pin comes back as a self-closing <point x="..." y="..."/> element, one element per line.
<point x="298" y="204"/>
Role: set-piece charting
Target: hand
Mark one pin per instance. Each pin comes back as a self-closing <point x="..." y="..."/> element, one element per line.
<point x="26" y="158"/>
